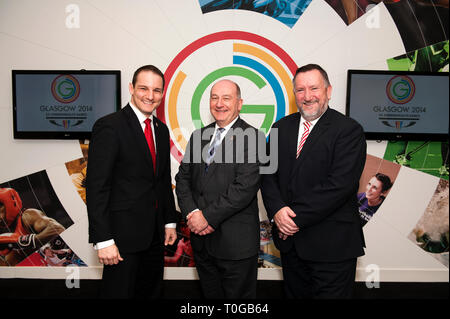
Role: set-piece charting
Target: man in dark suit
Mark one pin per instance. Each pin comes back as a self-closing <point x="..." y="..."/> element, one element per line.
<point x="217" y="195"/>
<point x="129" y="192"/>
<point x="312" y="196"/>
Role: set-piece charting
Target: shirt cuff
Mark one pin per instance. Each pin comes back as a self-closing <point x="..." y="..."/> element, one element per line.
<point x="104" y="244"/>
<point x="192" y="212"/>
<point x="171" y="225"/>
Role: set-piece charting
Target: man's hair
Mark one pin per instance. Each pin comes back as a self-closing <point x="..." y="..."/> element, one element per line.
<point x="150" y="68"/>
<point x="311" y="67"/>
<point x="385" y="180"/>
<point x="238" y="89"/>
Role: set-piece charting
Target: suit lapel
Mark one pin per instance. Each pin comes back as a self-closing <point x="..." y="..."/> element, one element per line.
<point x="205" y="140"/>
<point x="292" y="142"/>
<point x="159" y="143"/>
<point x="227" y="144"/>
<point x="138" y="134"/>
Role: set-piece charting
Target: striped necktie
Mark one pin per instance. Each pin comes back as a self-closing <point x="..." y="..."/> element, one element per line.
<point x="213" y="147"/>
<point x="305" y="134"/>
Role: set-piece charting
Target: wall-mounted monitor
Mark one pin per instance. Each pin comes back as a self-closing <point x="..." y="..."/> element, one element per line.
<point x="55" y="104"/>
<point x="399" y="105"/>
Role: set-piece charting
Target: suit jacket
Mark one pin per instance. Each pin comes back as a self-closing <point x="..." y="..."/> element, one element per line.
<point x="126" y="201"/>
<point x="320" y="187"/>
<point x="226" y="194"/>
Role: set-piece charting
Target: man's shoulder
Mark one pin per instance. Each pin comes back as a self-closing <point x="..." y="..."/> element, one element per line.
<point x="243" y="124"/>
<point x="338" y="116"/>
<point x="208" y="128"/>
<point x="112" y="118"/>
<point x="287" y="120"/>
<point x="31" y="214"/>
<point x="160" y="123"/>
<point x="342" y="120"/>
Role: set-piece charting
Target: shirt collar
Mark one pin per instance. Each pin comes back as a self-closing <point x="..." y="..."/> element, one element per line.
<point x="228" y="126"/>
<point x="141" y="117"/>
<point x="313" y="122"/>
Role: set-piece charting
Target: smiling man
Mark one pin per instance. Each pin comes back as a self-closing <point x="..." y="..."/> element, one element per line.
<point x="130" y="201"/>
<point x="217" y="196"/>
<point x="312" y="196"/>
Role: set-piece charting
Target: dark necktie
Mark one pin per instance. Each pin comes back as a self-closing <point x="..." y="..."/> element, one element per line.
<point x="151" y="143"/>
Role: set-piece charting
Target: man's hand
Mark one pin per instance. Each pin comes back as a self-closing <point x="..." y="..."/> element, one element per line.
<point x="170" y="236"/>
<point x="197" y="222"/>
<point x="284" y="222"/>
<point x="109" y="255"/>
<point x="207" y="231"/>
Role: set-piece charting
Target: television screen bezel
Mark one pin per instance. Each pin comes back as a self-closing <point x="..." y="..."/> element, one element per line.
<point x="392" y="136"/>
<point x="85" y="135"/>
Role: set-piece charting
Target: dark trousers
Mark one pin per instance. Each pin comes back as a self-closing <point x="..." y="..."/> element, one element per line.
<point x="139" y="275"/>
<point x="227" y="279"/>
<point x="317" y="280"/>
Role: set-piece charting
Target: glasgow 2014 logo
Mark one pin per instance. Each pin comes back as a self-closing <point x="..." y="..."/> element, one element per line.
<point x="400" y="89"/>
<point x="65" y="88"/>
<point x="262" y="69"/>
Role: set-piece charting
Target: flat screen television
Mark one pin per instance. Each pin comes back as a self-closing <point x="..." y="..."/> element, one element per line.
<point x="399" y="105"/>
<point x="55" y="104"/>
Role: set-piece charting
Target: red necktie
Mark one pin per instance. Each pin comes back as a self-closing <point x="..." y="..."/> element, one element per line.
<point x="151" y="144"/>
<point x="304" y="136"/>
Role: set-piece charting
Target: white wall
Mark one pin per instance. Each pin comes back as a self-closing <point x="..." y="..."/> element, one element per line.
<point x="124" y="35"/>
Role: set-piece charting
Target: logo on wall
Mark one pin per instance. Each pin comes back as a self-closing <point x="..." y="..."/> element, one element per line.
<point x="262" y="69"/>
<point x="400" y="89"/>
<point x="65" y="88"/>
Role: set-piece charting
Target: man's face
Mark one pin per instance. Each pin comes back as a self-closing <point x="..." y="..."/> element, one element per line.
<point x="311" y="94"/>
<point x="374" y="189"/>
<point x="224" y="103"/>
<point x="147" y="92"/>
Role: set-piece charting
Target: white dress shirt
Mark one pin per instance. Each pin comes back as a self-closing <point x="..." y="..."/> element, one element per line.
<point x="301" y="128"/>
<point x="227" y="128"/>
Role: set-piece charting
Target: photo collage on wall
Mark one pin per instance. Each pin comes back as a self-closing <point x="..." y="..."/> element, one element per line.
<point x="419" y="22"/>
<point x="32" y="221"/>
<point x="431" y="232"/>
<point x="374" y="185"/>
<point x="285" y="11"/>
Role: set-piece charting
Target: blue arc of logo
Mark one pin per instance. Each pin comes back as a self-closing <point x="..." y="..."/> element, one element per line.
<point x="270" y="78"/>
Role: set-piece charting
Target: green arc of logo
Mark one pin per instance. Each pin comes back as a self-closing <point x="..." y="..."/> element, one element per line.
<point x="267" y="110"/>
<point x="404" y="88"/>
<point x="68" y="89"/>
